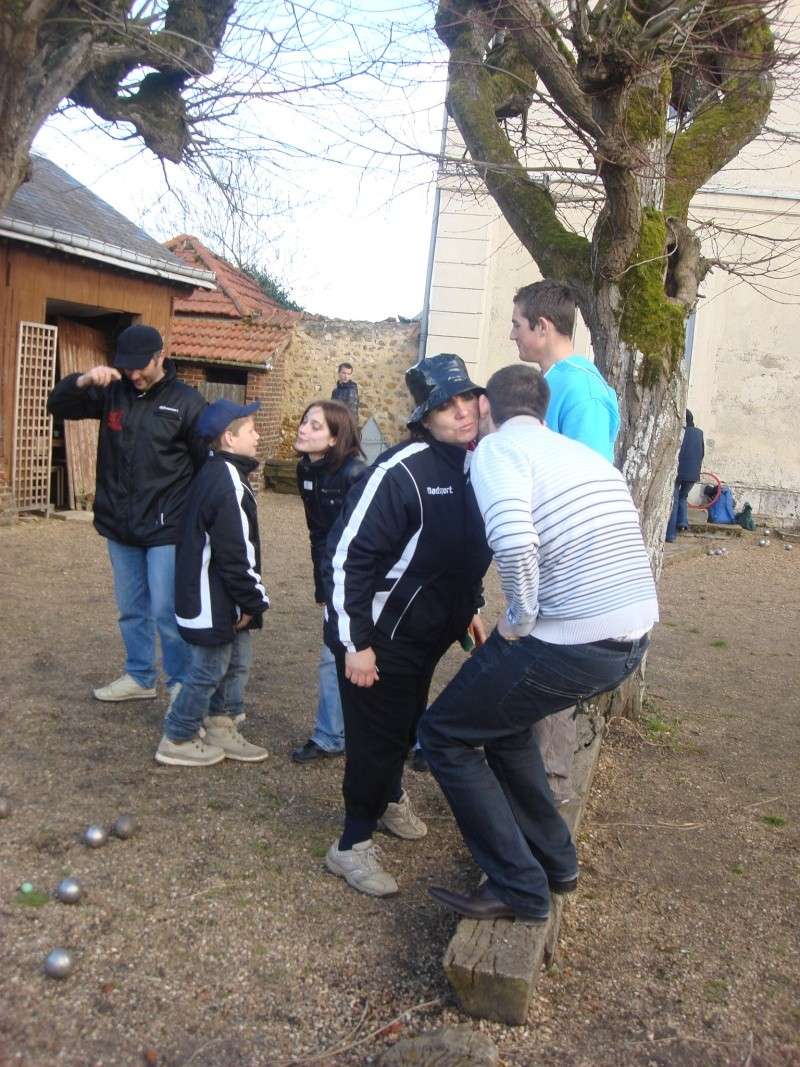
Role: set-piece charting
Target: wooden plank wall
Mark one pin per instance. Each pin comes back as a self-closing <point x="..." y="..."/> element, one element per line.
<point x="79" y="349"/>
<point x="29" y="277"/>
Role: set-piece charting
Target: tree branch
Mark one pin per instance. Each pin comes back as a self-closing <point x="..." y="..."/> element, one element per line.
<point x="720" y="130"/>
<point x="527" y="205"/>
<point x="535" y="41"/>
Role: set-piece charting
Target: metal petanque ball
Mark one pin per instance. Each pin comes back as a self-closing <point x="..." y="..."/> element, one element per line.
<point x="58" y="963"/>
<point x="69" y="891"/>
<point x="5" y="807"/>
<point x="787" y="547"/>
<point x="763" y="541"/>
<point x="94" y="836"/>
<point x="124" y="827"/>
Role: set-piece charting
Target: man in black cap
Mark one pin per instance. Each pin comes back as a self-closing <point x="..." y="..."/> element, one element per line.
<point x="147" y="454"/>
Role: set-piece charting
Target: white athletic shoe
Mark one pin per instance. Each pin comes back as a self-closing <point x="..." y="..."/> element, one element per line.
<point x="124" y="688"/>
<point x="361" y="868"/>
<point x="401" y="820"/>
<point x="221" y="731"/>
<point x="193" y="753"/>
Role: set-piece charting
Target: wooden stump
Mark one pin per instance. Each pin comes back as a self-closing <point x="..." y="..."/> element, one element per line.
<point x="493" y="967"/>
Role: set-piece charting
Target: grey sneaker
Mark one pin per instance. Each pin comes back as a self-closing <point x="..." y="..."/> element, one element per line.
<point x="124" y="688"/>
<point x="194" y="753"/>
<point x="361" y="868"/>
<point x="399" y="819"/>
<point x="221" y="731"/>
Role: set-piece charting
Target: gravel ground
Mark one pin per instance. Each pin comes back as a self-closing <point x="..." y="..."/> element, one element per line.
<point x="214" y="936"/>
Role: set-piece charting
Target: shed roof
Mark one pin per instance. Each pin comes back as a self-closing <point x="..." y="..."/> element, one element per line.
<point x="237" y="323"/>
<point x="236" y="293"/>
<point x="54" y="210"/>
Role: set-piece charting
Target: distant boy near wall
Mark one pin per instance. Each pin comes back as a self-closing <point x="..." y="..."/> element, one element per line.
<point x="219" y="595"/>
<point x="346" y="390"/>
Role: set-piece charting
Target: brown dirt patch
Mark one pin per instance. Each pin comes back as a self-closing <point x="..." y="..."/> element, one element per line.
<point x="214" y="937"/>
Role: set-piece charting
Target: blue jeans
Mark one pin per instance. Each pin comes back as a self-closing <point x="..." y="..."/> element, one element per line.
<point x="214" y="685"/>
<point x="478" y="740"/>
<point x="144" y="587"/>
<point x="679" y="516"/>
<point x="329" y="727"/>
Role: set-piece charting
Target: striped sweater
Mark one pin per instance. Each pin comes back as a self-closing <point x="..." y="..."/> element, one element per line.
<point x="565" y="535"/>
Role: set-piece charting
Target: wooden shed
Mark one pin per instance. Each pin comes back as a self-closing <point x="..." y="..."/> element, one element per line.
<point x="73" y="273"/>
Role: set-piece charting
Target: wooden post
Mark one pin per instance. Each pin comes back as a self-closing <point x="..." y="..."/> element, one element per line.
<point x="493" y="967"/>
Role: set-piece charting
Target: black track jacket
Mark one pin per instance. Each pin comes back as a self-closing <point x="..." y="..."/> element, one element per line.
<point x="406" y="558"/>
<point x="323" y="491"/>
<point x="218" y="559"/>
<point x="147" y="453"/>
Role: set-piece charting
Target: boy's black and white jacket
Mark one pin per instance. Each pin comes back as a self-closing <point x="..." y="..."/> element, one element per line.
<point x="405" y="560"/>
<point x="218" y="556"/>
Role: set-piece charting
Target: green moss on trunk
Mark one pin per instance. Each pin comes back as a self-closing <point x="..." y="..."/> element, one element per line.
<point x="651" y="322"/>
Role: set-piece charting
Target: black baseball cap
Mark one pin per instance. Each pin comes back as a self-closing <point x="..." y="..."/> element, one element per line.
<point x="136" y="346"/>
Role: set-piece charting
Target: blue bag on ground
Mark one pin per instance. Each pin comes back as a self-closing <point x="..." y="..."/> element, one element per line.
<point x="722" y="510"/>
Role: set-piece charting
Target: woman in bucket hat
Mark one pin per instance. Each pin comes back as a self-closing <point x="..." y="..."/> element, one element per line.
<point x="403" y="576"/>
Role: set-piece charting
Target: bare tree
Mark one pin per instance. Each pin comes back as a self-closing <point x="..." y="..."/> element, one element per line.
<point x="185" y="77"/>
<point x="628" y="109"/>
<point x="127" y="61"/>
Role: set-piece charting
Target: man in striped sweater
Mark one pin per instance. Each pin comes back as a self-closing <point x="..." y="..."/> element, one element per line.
<point x="580" y="601"/>
<point x="582" y="406"/>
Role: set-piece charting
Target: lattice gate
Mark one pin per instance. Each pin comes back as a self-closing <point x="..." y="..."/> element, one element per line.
<point x="33" y="427"/>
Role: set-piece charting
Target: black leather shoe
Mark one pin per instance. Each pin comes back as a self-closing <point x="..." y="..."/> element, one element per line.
<point x="563" y="887"/>
<point x="311" y="751"/>
<point x="481" y="903"/>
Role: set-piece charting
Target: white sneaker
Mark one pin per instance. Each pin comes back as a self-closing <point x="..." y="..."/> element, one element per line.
<point x="221" y="732"/>
<point x="400" y="819"/>
<point x="361" y="868"/>
<point x="124" y="688"/>
<point x="194" y="753"/>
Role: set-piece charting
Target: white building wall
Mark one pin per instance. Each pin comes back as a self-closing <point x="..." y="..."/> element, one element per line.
<point x="744" y="368"/>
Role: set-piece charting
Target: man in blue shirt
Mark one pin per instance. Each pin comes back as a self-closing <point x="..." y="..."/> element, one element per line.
<point x="582" y="406"/>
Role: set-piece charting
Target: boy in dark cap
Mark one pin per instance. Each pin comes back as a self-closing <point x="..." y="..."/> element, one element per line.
<point x="148" y="452"/>
<point x="219" y="595"/>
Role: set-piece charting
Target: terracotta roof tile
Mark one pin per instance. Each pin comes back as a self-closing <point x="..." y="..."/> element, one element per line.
<point x="237" y="294"/>
<point x="236" y="323"/>
<point x="248" y="342"/>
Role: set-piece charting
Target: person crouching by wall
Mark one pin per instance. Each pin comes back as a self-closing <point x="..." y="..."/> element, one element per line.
<point x="219" y="595"/>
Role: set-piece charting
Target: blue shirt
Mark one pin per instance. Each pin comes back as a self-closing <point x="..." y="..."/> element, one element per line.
<point x="582" y="405"/>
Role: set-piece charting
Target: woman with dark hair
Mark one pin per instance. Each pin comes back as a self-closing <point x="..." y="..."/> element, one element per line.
<point x="330" y="463"/>
<point x="403" y="575"/>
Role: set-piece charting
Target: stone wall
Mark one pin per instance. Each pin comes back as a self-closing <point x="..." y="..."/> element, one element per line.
<point x="380" y="353"/>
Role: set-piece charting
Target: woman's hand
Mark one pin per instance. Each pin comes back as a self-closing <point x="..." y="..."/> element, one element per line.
<point x="360" y="668"/>
<point x="477" y="630"/>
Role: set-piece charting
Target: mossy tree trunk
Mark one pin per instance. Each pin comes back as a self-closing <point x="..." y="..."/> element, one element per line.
<point x="660" y="99"/>
<point x="57" y="50"/>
